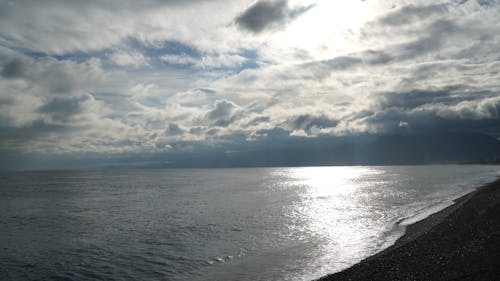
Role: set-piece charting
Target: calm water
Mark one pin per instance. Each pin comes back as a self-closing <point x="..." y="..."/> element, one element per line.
<point x="213" y="224"/>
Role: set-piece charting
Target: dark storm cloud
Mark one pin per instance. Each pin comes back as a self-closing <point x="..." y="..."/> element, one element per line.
<point x="13" y="138"/>
<point x="45" y="101"/>
<point x="6" y="102"/>
<point x="174" y="130"/>
<point x="450" y="109"/>
<point x="13" y="69"/>
<point x="56" y="77"/>
<point x="35" y="128"/>
<point x="279" y="149"/>
<point x="416" y="98"/>
<point x="264" y="15"/>
<point x="60" y="109"/>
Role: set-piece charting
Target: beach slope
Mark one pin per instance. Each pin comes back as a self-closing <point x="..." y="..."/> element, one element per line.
<point x="462" y="242"/>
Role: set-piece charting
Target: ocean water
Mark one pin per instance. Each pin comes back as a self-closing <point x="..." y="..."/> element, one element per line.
<point x="214" y="224"/>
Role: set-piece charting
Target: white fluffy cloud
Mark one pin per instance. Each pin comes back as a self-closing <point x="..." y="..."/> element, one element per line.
<point x="123" y="58"/>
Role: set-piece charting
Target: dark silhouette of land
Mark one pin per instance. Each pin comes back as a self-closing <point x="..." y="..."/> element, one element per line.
<point x="281" y="150"/>
<point x="461" y="242"/>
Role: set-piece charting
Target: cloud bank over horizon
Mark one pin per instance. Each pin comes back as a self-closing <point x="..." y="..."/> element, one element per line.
<point x="170" y="77"/>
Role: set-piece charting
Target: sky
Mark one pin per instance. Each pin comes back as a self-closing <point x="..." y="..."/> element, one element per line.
<point x="162" y="80"/>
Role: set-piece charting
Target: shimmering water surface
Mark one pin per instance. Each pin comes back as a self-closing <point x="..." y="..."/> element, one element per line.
<point x="214" y="224"/>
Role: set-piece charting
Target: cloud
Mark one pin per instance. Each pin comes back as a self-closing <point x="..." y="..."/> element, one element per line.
<point x="13" y="69"/>
<point x="265" y="15"/>
<point x="413" y="13"/>
<point x="205" y="61"/>
<point x="56" y="77"/>
<point x="223" y="113"/>
<point x="48" y="102"/>
<point x="488" y="108"/>
<point x="403" y="124"/>
<point x="75" y="26"/>
<point x="181" y="59"/>
<point x="156" y="76"/>
<point x="174" y="129"/>
<point x="61" y="109"/>
<point x="123" y="58"/>
<point x="447" y="109"/>
<point x="308" y="124"/>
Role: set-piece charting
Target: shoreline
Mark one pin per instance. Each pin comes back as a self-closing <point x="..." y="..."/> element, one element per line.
<point x="459" y="242"/>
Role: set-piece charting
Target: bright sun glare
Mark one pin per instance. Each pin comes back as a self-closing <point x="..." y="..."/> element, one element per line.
<point x="328" y="29"/>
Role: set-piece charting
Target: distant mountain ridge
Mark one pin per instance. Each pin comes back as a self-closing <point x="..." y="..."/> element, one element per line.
<point x="390" y="149"/>
<point x="432" y="148"/>
<point x="394" y="149"/>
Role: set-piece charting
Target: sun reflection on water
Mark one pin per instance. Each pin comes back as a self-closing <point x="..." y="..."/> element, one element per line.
<point x="333" y="208"/>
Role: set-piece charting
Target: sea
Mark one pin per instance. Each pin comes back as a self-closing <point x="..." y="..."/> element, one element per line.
<point x="293" y="223"/>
